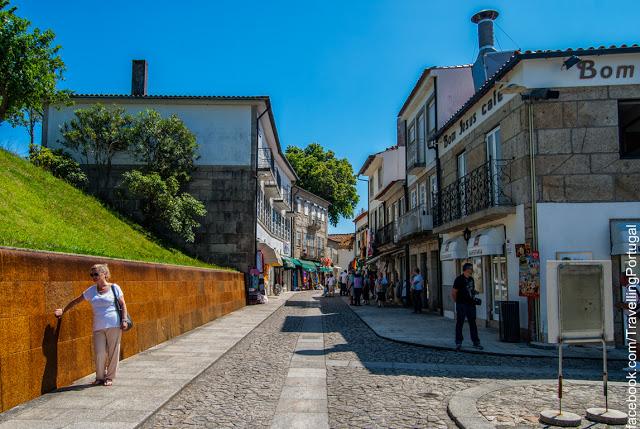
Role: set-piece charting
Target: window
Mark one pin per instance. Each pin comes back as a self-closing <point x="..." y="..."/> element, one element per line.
<point x="414" y="198"/>
<point x="380" y="178"/>
<point x="299" y="206"/>
<point x="380" y="216"/>
<point x="411" y="146"/>
<point x="629" y="123"/>
<point x="433" y="185"/>
<point x="423" y="195"/>
<point x="298" y="239"/>
<point x="306" y="209"/>
<point x="421" y="128"/>
<point x="370" y="187"/>
<point x="431" y="116"/>
<point x="389" y="214"/>
<point x="396" y="209"/>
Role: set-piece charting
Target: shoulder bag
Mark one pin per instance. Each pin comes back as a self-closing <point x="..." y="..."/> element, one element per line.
<point x="119" y="308"/>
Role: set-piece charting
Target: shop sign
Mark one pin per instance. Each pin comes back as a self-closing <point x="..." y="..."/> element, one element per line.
<point x="529" y="271"/>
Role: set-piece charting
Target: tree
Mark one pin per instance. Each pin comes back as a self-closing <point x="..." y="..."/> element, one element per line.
<point x="165" y="145"/>
<point x="167" y="149"/>
<point x="30" y="66"/>
<point x="321" y="173"/>
<point x="98" y="133"/>
<point x="162" y="205"/>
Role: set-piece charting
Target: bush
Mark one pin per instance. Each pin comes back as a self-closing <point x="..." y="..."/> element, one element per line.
<point x="58" y="163"/>
<point x="162" y="205"/>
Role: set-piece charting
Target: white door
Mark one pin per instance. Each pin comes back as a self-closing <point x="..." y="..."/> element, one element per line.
<point x="499" y="286"/>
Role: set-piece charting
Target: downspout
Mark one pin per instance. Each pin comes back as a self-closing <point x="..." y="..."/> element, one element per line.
<point x="535" y="304"/>
<point x="438" y="193"/>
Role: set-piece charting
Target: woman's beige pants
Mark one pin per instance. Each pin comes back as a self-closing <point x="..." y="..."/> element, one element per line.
<point x="106" y="349"/>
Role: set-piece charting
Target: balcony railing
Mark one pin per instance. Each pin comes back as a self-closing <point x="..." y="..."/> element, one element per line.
<point x="315" y="225"/>
<point x="386" y="234"/>
<point x="266" y="160"/>
<point x="481" y="189"/>
<point x="414" y="221"/>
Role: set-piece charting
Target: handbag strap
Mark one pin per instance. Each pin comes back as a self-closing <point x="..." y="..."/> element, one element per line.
<point x="116" y="303"/>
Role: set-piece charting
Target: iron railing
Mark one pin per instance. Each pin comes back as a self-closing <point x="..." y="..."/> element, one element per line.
<point x="266" y="160"/>
<point x="480" y="189"/>
<point x="416" y="220"/>
<point x="385" y="235"/>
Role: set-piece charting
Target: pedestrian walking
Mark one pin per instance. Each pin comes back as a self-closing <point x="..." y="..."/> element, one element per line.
<point x="366" y="288"/>
<point x="108" y="323"/>
<point x="343" y="283"/>
<point x="332" y="284"/>
<point x="350" y="279"/>
<point x="417" y="286"/>
<point x="357" y="288"/>
<point x="464" y="296"/>
<point x="381" y="289"/>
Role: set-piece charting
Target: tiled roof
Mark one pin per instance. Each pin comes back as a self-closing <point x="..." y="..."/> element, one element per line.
<point x="176" y="97"/>
<point x="519" y="56"/>
<point x="345" y="241"/>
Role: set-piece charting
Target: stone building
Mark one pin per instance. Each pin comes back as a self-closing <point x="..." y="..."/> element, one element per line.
<point x="545" y="154"/>
<point x="310" y="225"/>
<point x="242" y="175"/>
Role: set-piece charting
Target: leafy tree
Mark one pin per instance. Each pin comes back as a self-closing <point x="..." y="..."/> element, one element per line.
<point x="320" y="172"/>
<point x="98" y="133"/>
<point x="165" y="145"/>
<point x="30" y="66"/>
<point x="163" y="205"/>
<point x="58" y="163"/>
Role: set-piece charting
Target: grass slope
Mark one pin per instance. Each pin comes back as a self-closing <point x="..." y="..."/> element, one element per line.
<point x="39" y="211"/>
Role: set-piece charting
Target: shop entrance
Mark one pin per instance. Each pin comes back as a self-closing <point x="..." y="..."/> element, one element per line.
<point x="499" y="286"/>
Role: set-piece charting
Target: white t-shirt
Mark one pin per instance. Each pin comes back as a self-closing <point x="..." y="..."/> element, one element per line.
<point x="332" y="281"/>
<point x="343" y="277"/>
<point x="105" y="313"/>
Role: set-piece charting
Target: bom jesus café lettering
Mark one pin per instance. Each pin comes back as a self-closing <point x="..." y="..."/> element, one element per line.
<point x="548" y="73"/>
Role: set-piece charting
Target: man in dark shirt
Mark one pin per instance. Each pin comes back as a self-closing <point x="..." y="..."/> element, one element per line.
<point x="463" y="294"/>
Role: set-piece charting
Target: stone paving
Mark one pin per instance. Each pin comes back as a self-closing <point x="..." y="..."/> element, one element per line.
<point x="314" y="364"/>
<point x="505" y="408"/>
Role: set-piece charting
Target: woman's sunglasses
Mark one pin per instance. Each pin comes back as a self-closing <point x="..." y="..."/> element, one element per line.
<point x="94" y="274"/>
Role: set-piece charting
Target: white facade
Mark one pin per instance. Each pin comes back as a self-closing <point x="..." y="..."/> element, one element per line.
<point x="223" y="131"/>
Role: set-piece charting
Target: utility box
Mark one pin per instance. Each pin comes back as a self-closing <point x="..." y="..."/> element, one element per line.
<point x="579" y="301"/>
<point x="510" y="321"/>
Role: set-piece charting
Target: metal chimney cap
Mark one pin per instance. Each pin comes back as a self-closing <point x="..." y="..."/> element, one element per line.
<point x="484" y="14"/>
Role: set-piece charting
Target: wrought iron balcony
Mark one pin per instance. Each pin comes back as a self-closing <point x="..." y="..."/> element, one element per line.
<point x="481" y="189"/>
<point x="386" y="234"/>
<point x="415" y="221"/>
<point x="314" y="225"/>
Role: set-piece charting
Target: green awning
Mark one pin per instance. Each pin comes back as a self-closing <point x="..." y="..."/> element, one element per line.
<point x="290" y="263"/>
<point x="326" y="269"/>
<point x="308" y="266"/>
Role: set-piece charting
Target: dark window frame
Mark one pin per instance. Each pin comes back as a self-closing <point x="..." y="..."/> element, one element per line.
<point x="623" y="154"/>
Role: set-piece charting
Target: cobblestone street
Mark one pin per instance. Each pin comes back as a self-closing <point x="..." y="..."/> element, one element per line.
<point x="370" y="382"/>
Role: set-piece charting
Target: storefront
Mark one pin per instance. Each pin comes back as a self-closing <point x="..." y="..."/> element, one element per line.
<point x="452" y="255"/>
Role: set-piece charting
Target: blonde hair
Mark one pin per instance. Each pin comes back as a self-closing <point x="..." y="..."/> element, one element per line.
<point x="102" y="268"/>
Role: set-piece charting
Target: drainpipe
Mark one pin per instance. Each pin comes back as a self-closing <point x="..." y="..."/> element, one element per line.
<point x="534" y="304"/>
<point x="438" y="193"/>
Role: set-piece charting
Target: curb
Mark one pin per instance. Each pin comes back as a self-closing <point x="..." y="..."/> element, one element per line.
<point x="476" y="352"/>
<point x="466" y="417"/>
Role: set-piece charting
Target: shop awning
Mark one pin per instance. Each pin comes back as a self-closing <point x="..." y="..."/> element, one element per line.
<point x="489" y="241"/>
<point x="620" y="236"/>
<point x="308" y="266"/>
<point x="290" y="263"/>
<point x="271" y="256"/>
<point x="326" y="269"/>
<point x="454" y="248"/>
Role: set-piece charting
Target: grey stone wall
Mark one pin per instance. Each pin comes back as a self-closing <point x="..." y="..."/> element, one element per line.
<point x="576" y="144"/>
<point x="226" y="236"/>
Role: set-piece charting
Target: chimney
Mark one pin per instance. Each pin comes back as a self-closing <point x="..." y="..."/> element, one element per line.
<point x="484" y="19"/>
<point x="139" y="74"/>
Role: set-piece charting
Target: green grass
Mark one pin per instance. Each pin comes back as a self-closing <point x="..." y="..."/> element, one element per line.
<point x="39" y="211"/>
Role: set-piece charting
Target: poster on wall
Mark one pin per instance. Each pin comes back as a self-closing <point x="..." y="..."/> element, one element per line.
<point x="529" y="271"/>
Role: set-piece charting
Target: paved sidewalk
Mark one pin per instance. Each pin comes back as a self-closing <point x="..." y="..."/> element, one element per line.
<point x="402" y="325"/>
<point x="303" y="400"/>
<point x="145" y="381"/>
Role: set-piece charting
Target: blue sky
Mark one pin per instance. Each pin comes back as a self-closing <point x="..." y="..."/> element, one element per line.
<point x="337" y="71"/>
